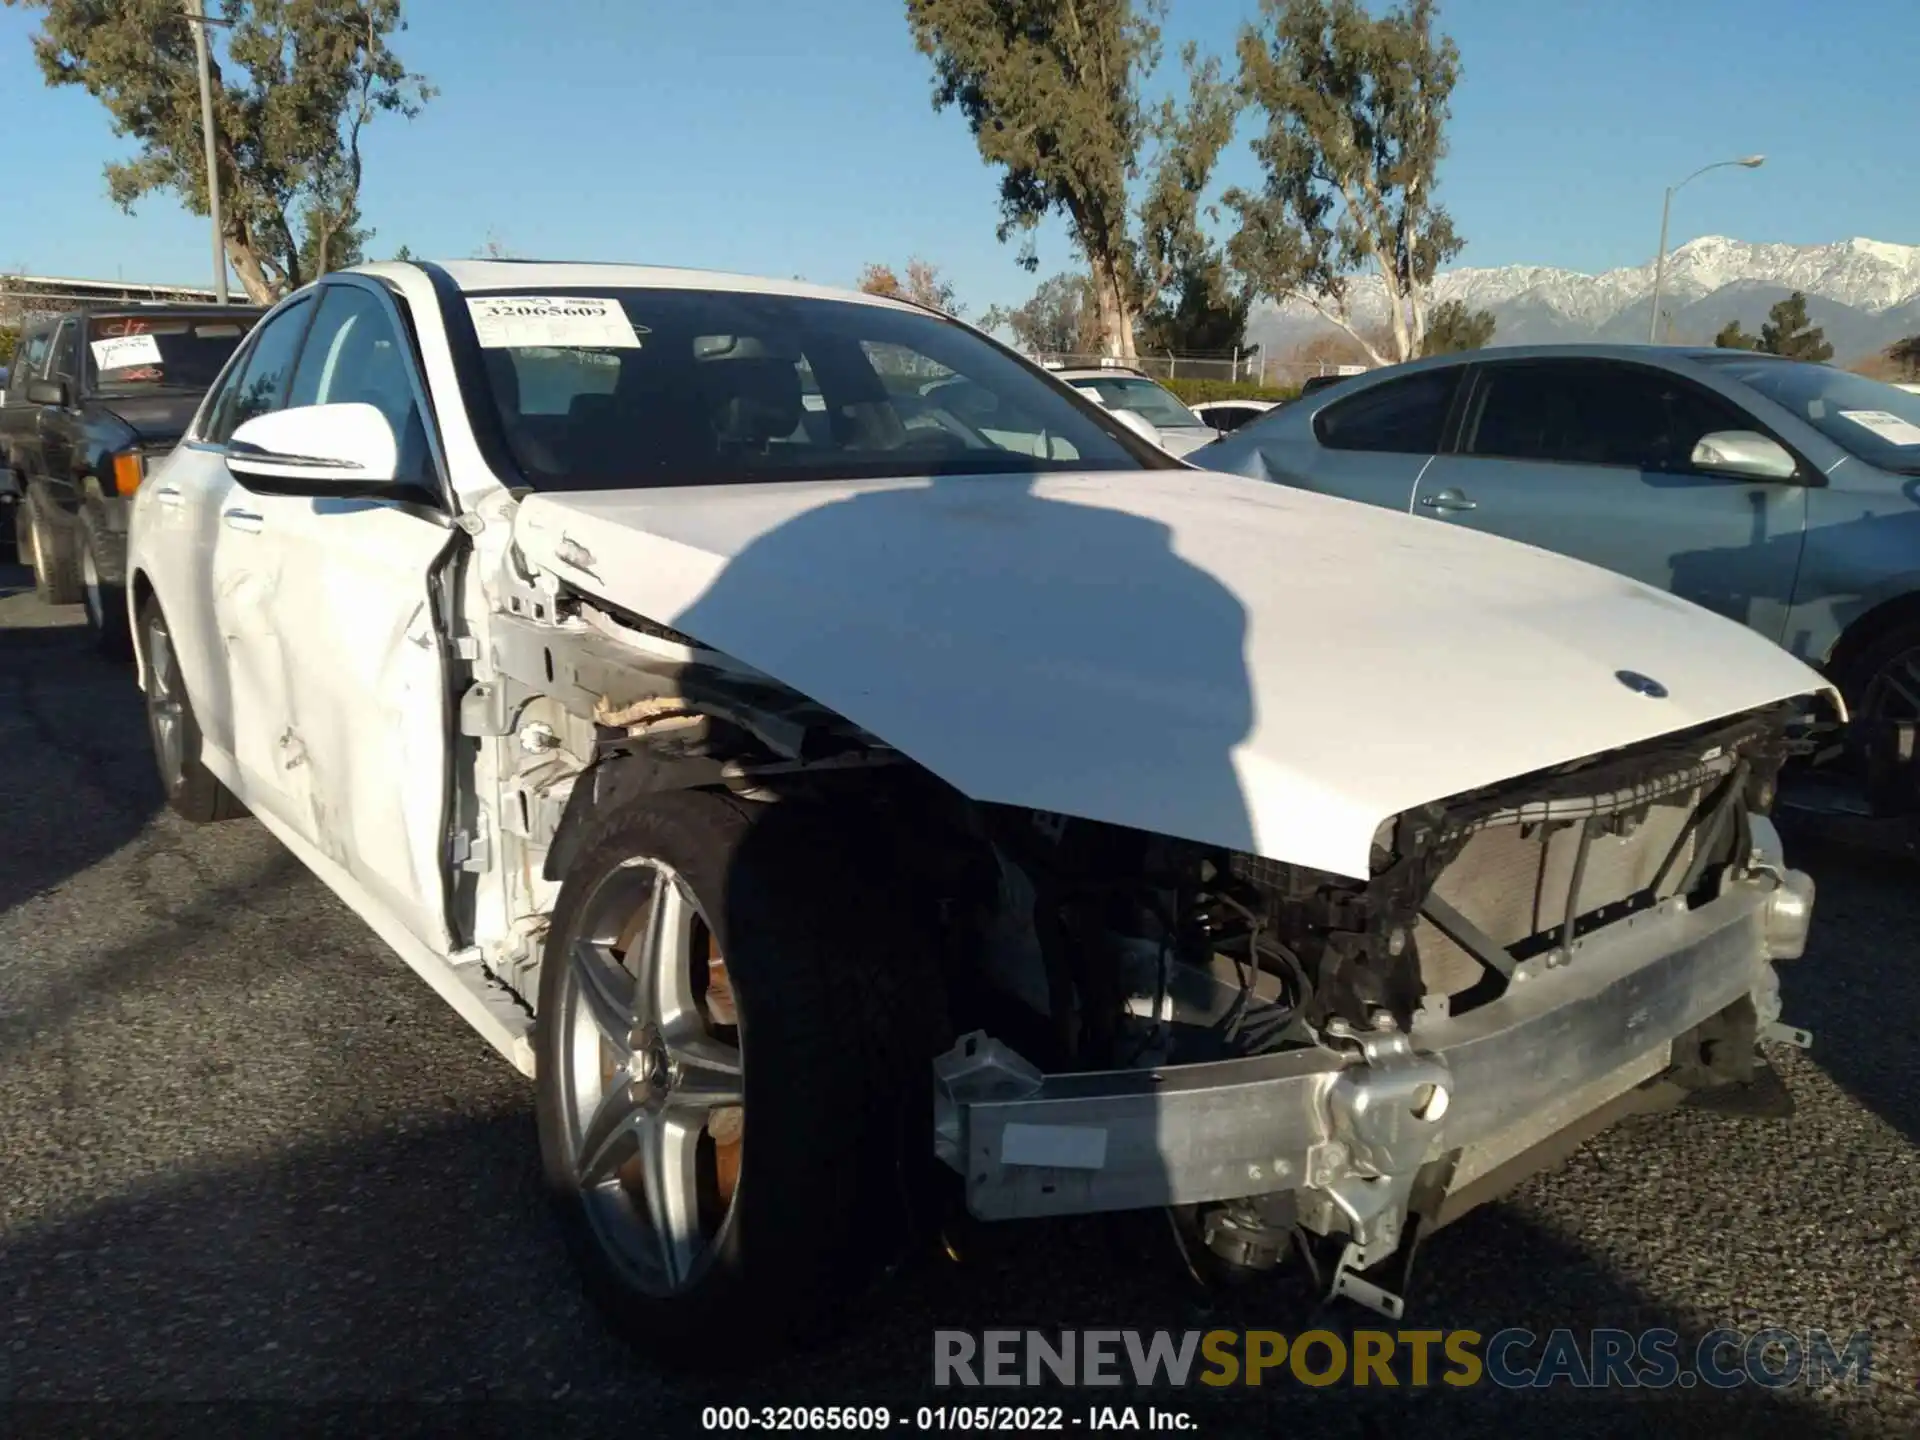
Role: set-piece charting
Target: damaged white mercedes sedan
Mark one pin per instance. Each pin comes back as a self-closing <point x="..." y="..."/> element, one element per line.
<point x="857" y="778"/>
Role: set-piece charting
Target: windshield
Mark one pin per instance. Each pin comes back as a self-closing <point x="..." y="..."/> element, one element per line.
<point x="1879" y="423"/>
<point x="184" y="351"/>
<point x="616" y="388"/>
<point x="1143" y="397"/>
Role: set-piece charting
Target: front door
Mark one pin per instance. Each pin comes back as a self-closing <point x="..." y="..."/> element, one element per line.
<point x="362" y="724"/>
<point x="1591" y="458"/>
<point x="20" y="418"/>
<point x="58" y="425"/>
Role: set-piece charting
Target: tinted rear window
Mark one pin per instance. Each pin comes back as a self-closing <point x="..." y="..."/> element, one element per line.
<point x="1404" y="416"/>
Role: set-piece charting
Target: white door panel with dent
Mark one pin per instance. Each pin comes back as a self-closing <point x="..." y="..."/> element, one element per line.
<point x="366" y="709"/>
<point x="248" y="532"/>
<point x="180" y="523"/>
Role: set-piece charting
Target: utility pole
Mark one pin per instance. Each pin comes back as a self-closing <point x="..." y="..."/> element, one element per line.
<point x="1749" y="162"/>
<point x="197" y="18"/>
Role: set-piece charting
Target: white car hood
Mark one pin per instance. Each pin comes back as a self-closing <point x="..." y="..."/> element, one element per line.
<point x="1190" y="653"/>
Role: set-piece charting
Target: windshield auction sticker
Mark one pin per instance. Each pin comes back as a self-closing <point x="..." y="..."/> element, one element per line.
<point x="123" y="352"/>
<point x="516" y="322"/>
<point x="1887" y="425"/>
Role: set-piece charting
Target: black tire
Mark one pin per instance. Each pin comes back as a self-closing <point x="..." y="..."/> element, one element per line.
<point x="1869" y="682"/>
<point x="1882" y="689"/>
<point x="839" y="1015"/>
<point x="106" y="603"/>
<point x="193" y="791"/>
<point x="53" y="553"/>
<point x="13" y="549"/>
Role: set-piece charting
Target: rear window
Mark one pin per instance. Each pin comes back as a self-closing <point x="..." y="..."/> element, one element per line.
<point x="1146" y="399"/>
<point x="169" y="351"/>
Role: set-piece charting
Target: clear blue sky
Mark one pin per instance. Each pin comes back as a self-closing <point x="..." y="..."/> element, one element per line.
<point x="797" y="138"/>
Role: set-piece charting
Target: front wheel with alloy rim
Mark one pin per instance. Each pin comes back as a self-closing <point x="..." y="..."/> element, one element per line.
<point x="193" y="791"/>
<point x="737" y="1018"/>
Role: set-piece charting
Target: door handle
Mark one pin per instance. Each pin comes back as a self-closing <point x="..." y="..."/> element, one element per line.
<point x="245" y="520"/>
<point x="1448" y="501"/>
<point x="168" y="495"/>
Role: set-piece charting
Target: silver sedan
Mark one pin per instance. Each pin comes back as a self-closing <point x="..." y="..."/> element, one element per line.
<point x="1783" y="494"/>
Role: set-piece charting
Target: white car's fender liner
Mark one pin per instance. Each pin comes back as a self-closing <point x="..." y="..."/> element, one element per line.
<point x="655" y="704"/>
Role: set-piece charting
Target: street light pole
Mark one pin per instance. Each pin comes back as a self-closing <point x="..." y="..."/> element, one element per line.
<point x="197" y="17"/>
<point x="1750" y="162"/>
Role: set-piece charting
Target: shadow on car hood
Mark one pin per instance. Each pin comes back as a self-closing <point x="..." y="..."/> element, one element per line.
<point x="1186" y="652"/>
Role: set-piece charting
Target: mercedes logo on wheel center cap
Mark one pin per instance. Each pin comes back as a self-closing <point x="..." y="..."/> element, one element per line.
<point x="1641" y="684"/>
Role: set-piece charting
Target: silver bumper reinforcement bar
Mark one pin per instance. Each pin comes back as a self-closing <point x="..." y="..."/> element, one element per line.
<point x="1350" y="1123"/>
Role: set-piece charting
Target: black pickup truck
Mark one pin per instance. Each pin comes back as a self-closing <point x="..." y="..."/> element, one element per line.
<point x="94" y="398"/>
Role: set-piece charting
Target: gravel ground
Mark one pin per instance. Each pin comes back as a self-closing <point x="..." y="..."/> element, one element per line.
<point x="248" y="1159"/>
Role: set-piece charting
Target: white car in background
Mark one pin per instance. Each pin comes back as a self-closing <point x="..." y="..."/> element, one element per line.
<point x="1177" y="430"/>
<point x="812" y="794"/>
<point x="1226" y="416"/>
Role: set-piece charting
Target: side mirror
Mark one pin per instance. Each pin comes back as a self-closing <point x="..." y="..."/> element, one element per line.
<point x="1746" y="453"/>
<point x="343" y="452"/>
<point x="1140" y="425"/>
<point x="47" y="392"/>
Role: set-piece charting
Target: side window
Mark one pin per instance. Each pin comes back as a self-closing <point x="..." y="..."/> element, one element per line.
<point x="1404" y="416"/>
<point x="34" y="355"/>
<point x="353" y="355"/>
<point x="263" y="378"/>
<point x="1539" y="411"/>
<point x="1593" y="413"/>
<point x="66" y="354"/>
<point x="216" y="425"/>
<point x="1679" y="414"/>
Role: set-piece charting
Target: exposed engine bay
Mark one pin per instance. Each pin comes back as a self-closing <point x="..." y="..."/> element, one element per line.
<point x="1142" y="951"/>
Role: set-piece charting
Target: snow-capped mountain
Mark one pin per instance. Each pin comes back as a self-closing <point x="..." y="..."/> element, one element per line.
<point x="1870" y="288"/>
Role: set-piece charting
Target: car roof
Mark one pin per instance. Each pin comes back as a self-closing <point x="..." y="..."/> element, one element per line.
<point x="1646" y="354"/>
<point x="483" y="275"/>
